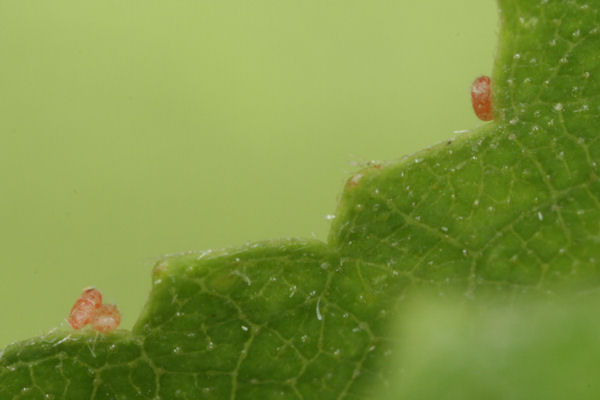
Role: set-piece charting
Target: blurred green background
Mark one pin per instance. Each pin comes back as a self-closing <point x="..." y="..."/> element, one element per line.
<point x="133" y="129"/>
<point x="449" y="349"/>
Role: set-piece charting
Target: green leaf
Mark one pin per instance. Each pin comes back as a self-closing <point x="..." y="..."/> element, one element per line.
<point x="515" y="204"/>
<point x="508" y="209"/>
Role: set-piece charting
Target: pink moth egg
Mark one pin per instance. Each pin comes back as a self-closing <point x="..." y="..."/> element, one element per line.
<point x="106" y="318"/>
<point x="82" y="312"/>
<point x="481" y="98"/>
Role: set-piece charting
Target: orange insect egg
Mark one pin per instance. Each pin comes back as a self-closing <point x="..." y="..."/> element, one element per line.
<point x="83" y="310"/>
<point x="481" y="97"/>
<point x="92" y="295"/>
<point x="106" y="318"/>
<point x="81" y="313"/>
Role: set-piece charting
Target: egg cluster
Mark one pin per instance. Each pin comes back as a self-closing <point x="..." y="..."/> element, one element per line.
<point x="88" y="309"/>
